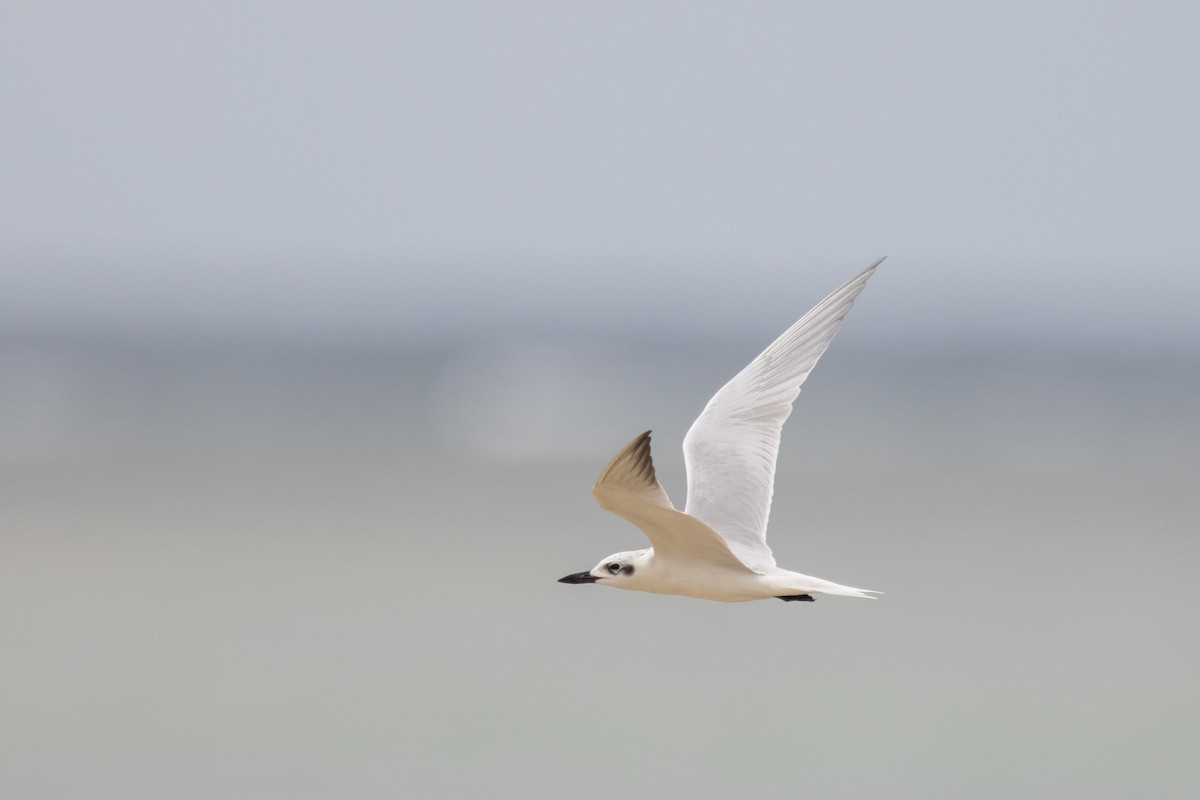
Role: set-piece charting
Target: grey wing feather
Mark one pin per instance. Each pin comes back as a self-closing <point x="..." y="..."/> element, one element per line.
<point x="731" y="448"/>
<point x="631" y="472"/>
<point x="629" y="488"/>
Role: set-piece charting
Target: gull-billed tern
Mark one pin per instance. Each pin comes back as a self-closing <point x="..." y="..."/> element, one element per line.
<point x="716" y="548"/>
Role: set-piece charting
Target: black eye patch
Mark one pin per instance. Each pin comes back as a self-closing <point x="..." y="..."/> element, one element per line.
<point x="627" y="569"/>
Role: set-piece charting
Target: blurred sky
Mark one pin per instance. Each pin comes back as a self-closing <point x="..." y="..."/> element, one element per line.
<point x="399" y="170"/>
<point x="317" y="321"/>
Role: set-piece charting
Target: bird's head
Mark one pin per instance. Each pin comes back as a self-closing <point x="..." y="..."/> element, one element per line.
<point x="616" y="570"/>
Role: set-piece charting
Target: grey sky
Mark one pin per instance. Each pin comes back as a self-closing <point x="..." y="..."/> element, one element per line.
<point x="309" y="572"/>
<point x="407" y="169"/>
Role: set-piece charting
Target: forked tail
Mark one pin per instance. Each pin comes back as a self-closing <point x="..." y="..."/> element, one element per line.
<point x="807" y="583"/>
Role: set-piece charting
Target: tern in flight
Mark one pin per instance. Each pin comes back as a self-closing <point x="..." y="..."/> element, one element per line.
<point x="716" y="548"/>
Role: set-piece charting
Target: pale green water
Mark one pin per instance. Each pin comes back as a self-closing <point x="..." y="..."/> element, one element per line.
<point x="288" y="574"/>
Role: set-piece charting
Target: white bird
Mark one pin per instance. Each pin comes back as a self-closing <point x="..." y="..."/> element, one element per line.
<point x="716" y="548"/>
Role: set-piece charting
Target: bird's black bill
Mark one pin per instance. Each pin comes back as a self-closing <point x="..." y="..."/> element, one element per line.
<point x="579" y="577"/>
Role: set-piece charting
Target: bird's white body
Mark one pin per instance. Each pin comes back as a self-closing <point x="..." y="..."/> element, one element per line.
<point x="716" y="549"/>
<point x="717" y="582"/>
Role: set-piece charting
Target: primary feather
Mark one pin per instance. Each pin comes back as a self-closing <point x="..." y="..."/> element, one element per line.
<point x="629" y="488"/>
<point x="731" y="448"/>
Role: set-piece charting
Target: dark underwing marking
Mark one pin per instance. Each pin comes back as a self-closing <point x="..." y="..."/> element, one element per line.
<point x="788" y="598"/>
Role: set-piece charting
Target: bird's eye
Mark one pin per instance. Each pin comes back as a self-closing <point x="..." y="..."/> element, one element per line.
<point x="613" y="568"/>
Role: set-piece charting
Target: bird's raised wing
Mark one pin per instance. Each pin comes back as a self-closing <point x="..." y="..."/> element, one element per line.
<point x="629" y="488"/>
<point x="731" y="448"/>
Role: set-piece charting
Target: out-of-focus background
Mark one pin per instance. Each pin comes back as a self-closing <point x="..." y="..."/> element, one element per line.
<point x="317" y="322"/>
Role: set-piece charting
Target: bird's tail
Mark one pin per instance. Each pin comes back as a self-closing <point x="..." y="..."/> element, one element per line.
<point x="811" y="584"/>
<point x="850" y="591"/>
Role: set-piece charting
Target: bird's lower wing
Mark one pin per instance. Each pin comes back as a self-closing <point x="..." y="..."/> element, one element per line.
<point x="731" y="448"/>
<point x="629" y="488"/>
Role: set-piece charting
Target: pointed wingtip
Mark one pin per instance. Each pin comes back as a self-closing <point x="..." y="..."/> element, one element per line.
<point x="633" y="462"/>
<point x="631" y="473"/>
<point x="866" y="273"/>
